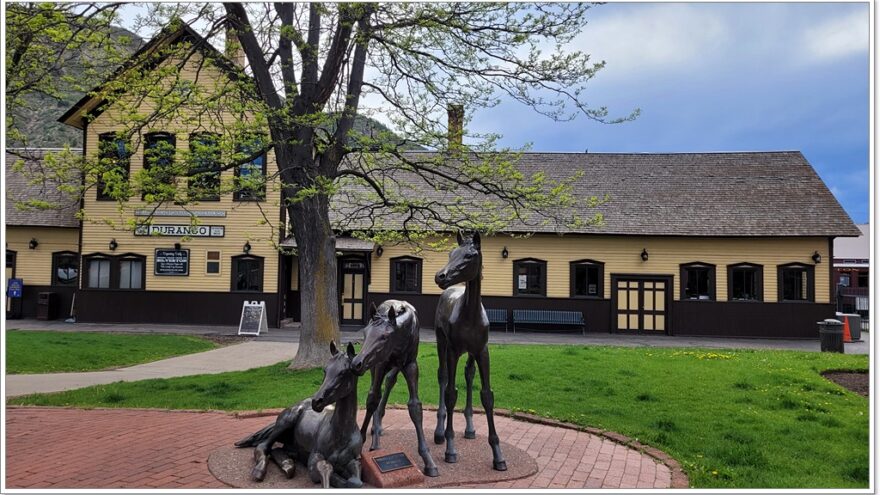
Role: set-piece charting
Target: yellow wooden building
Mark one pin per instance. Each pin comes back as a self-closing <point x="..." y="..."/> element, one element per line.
<point x="736" y="244"/>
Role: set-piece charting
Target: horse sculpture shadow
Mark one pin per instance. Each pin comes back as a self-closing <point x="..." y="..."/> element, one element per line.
<point x="321" y="435"/>
<point x="462" y="327"/>
<point x="391" y="345"/>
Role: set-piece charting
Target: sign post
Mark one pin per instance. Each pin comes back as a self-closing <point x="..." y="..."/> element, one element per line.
<point x="253" y="318"/>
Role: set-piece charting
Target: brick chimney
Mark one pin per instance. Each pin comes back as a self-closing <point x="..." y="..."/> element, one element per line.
<point x="455" y="126"/>
<point x="234" y="52"/>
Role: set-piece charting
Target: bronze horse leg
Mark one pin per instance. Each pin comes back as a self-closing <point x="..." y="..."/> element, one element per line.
<point x="373" y="397"/>
<point x="320" y="470"/>
<point x="411" y="374"/>
<point x="284" y="461"/>
<point x="451" y="455"/>
<point x="285" y="421"/>
<point x="442" y="381"/>
<point x="390" y="381"/>
<point x="488" y="399"/>
<point x="469" y="371"/>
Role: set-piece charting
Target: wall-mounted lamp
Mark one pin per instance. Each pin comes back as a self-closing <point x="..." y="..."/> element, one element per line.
<point x="379" y="251"/>
<point x="113" y="245"/>
<point x="505" y="253"/>
<point x="644" y="255"/>
<point x="177" y="246"/>
<point x="247" y="247"/>
<point x="33" y="244"/>
<point x="817" y="258"/>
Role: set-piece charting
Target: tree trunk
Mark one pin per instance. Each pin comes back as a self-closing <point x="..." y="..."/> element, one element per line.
<point x="318" y="290"/>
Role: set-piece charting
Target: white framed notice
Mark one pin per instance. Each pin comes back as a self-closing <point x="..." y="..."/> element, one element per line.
<point x="253" y="318"/>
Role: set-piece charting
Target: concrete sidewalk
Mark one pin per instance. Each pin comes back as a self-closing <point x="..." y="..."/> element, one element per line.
<point x="247" y="355"/>
<point x="290" y="333"/>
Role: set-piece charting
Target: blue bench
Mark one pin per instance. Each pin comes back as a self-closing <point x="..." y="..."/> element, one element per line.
<point x="548" y="317"/>
<point x="497" y="317"/>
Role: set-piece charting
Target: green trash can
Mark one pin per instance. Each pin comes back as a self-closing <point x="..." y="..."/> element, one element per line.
<point x="831" y="335"/>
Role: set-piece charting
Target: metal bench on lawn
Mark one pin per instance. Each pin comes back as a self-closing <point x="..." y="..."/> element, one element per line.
<point x="548" y="317"/>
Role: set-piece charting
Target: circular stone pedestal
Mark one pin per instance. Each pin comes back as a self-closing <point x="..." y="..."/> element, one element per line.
<point x="233" y="466"/>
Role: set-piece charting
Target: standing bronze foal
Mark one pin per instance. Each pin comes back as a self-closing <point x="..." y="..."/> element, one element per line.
<point x="462" y="327"/>
<point x="391" y="345"/>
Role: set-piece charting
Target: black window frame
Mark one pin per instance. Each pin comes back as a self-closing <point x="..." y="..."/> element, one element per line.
<point x="684" y="277"/>
<point x="588" y="263"/>
<point x="117" y="271"/>
<point x="211" y="178"/>
<point x="260" y="195"/>
<point x="406" y="260"/>
<point x="758" y="280"/>
<point x="85" y="274"/>
<point x="148" y="138"/>
<point x="543" y="279"/>
<point x="811" y="281"/>
<point x="121" y="162"/>
<point x="55" y="262"/>
<point x="234" y="271"/>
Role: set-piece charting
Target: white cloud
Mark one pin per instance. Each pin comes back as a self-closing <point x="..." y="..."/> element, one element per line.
<point x="838" y="37"/>
<point x="648" y="37"/>
<point x="694" y="39"/>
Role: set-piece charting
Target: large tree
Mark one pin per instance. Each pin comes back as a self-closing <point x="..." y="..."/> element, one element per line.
<point x="312" y="69"/>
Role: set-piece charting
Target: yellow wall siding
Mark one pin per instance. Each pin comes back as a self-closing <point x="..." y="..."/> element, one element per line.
<point x="621" y="255"/>
<point x="35" y="265"/>
<point x="244" y="221"/>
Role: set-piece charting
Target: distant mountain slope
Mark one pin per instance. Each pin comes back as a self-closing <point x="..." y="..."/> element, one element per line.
<point x="39" y="119"/>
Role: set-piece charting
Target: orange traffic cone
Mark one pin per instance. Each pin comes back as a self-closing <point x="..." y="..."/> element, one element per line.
<point x="847" y="336"/>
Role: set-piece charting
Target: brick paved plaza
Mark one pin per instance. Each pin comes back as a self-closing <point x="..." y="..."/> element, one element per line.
<point x="127" y="448"/>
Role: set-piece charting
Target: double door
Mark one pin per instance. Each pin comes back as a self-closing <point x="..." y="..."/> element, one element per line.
<point x="641" y="304"/>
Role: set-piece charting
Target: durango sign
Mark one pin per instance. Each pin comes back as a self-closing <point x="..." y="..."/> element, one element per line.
<point x="181" y="230"/>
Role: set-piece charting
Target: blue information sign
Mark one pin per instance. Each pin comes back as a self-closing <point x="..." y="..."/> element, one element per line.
<point x="14" y="287"/>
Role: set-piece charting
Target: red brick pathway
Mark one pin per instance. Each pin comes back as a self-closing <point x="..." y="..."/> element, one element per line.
<point x="127" y="448"/>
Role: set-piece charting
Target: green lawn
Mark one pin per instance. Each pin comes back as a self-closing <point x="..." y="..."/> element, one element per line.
<point x="743" y="419"/>
<point x="52" y="352"/>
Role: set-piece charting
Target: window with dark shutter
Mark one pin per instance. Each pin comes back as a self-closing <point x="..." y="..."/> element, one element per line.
<point x="698" y="281"/>
<point x="530" y="277"/>
<point x="587" y="278"/>
<point x="406" y="275"/>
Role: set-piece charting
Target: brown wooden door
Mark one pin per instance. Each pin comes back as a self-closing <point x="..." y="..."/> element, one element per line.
<point x="641" y="304"/>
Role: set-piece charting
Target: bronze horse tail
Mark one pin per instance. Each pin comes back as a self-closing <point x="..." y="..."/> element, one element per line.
<point x="256" y="438"/>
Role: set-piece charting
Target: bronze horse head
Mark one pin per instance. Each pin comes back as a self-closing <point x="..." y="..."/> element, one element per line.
<point x="339" y="378"/>
<point x="382" y="335"/>
<point x="464" y="264"/>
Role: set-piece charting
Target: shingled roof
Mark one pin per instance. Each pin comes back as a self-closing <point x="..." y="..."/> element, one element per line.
<point x="690" y="194"/>
<point x="19" y="188"/>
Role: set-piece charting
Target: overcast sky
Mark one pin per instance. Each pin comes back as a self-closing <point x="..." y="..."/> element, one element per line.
<point x="722" y="77"/>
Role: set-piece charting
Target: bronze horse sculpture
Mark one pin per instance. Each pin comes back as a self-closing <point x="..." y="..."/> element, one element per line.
<point x="321" y="431"/>
<point x="463" y="327"/>
<point x="391" y="345"/>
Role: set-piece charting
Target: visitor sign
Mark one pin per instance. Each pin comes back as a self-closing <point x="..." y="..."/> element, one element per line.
<point x="174" y="262"/>
<point x="14" y="287"/>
